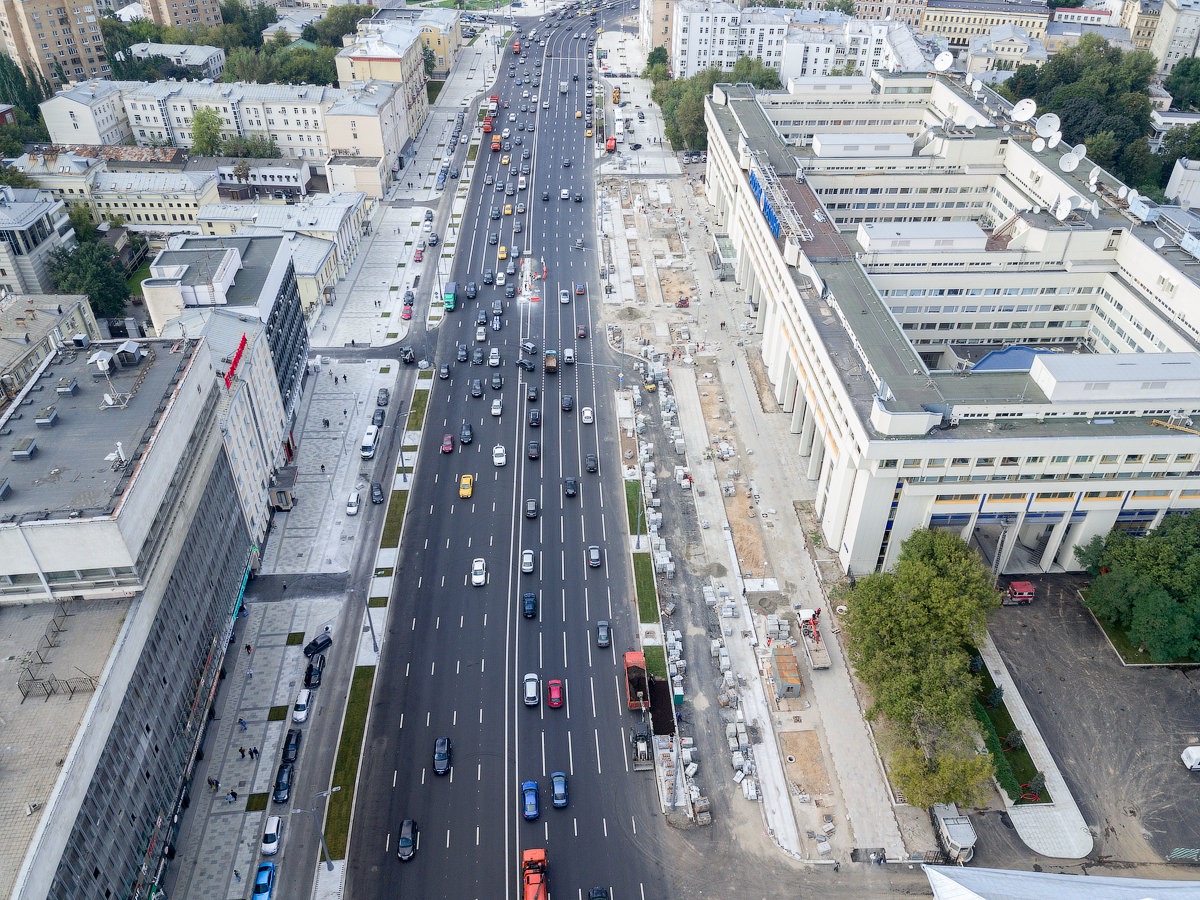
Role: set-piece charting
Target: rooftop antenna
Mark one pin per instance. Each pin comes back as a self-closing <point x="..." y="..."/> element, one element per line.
<point x="1024" y="110"/>
<point x="1160" y="242"/>
<point x="1054" y="140"/>
<point x="1047" y="124"/>
<point x="1122" y="192"/>
<point x="1069" y="162"/>
<point x="1062" y="208"/>
<point x="1080" y="150"/>
<point x="1094" y="175"/>
<point x="1039" y="144"/>
<point x="943" y="61"/>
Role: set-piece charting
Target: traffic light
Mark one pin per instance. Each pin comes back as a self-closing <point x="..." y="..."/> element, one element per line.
<point x="616" y="95"/>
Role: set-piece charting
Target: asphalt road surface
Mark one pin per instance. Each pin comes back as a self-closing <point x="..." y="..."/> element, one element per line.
<point x="455" y="654"/>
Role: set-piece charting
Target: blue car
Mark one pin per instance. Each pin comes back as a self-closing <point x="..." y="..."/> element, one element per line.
<point x="264" y="881"/>
<point x="529" y="800"/>
<point x="558" y="789"/>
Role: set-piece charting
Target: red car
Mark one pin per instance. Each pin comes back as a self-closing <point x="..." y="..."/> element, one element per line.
<point x="447" y="443"/>
<point x="554" y="693"/>
<point x="406" y="313"/>
<point x="581" y="331"/>
<point x="419" y="255"/>
<point x="579" y="288"/>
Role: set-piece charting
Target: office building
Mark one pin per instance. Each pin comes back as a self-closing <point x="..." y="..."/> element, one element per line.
<point x="960" y="20"/>
<point x="156" y="203"/>
<point x="1177" y="35"/>
<point x="965" y="335"/>
<point x="60" y="42"/>
<point x="33" y="224"/>
<point x="440" y="30"/>
<point x="1003" y="49"/>
<point x="184" y="13"/>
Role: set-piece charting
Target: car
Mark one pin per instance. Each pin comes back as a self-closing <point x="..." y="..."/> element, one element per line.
<point x="406" y="843"/>
<point x="493" y="238"/>
<point x="353" y="502"/>
<point x="568" y="403"/>
<point x="593" y="557"/>
<point x="472" y="290"/>
<point x="478" y="571"/>
<point x="591" y="463"/>
<point x="531" y="508"/>
<point x="302" y="706"/>
<point x="264" y="880"/>
<point x="525" y="154"/>
<point x="488" y="179"/>
<point x="497" y="380"/>
<point x="408" y="356"/>
<point x="587" y="133"/>
<point x="554" y="693"/>
<point x="587" y="416"/>
<point x="321" y="642"/>
<point x="508" y="209"/>
<point x="564" y="296"/>
<point x="603" y="633"/>
<point x="447" y="443"/>
<point x="376" y="492"/>
<point x="529" y="347"/>
<point x="406" y="314"/>
<point x="382" y="397"/>
<point x="271" y="834"/>
<point x="579" y="113"/>
<point x="564" y="194"/>
<point x="598" y="893"/>
<point x="466" y="487"/>
<point x="535" y="418"/>
<point x="314" y="671"/>
<point x="462" y="354"/>
<point x="418" y="255"/>
<point x="502" y="253"/>
<point x="545" y="195"/>
<point x="477" y="355"/>
<point x="520" y="207"/>
<point x="442" y="750"/>
<point x="499" y="187"/>
<point x="480" y="317"/>
<point x="581" y="332"/>
<point x="291" y="744"/>
<point x="499" y="456"/>
<point x="529" y="800"/>
<point x="476" y="389"/>
<point x="526" y="364"/>
<point x="466" y="434"/>
<point x="532" y="687"/>
<point x="534" y="451"/>
<point x="480" y="334"/>
<point x="504" y="159"/>
<point x="570" y="486"/>
<point x="378" y="416"/>
<point x="510" y="289"/>
<point x="558" y="789"/>
<point x="283" y="782"/>
<point x="497" y="407"/>
<point x="529" y="604"/>
<point x="433" y="239"/>
<point x="579" y="196"/>
<point x="545" y="104"/>
<point x="495" y="214"/>
<point x="527" y="561"/>
<point x="579" y="288"/>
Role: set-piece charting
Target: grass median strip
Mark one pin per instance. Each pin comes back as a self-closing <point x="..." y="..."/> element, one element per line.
<point x="345" y="770"/>
<point x="647" y="592"/>
<point x="633" y="507"/>
<point x="395" y="520"/>
<point x="416" y="412"/>
<point x="656" y="662"/>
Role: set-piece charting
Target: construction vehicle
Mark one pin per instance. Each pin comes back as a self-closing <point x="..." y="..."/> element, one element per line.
<point x="641" y="743"/>
<point x="637" y="690"/>
<point x="551" y="358"/>
<point x="810" y="630"/>
<point x="955" y="832"/>
<point x="535" y="878"/>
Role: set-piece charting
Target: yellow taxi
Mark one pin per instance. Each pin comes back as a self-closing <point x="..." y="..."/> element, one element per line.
<point x="508" y="209"/>
<point x="579" y="113"/>
<point x="504" y="160"/>
<point x="466" y="486"/>
<point x="588" y="133"/>
<point x="502" y="253"/>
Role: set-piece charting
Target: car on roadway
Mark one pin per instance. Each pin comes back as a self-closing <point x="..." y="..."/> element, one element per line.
<point x="508" y="210"/>
<point x="531" y="508"/>
<point x="376" y="492"/>
<point x="466" y="434"/>
<point x="531" y="393"/>
<point x="291" y="745"/>
<point x="532" y="687"/>
<point x="264" y="881"/>
<point x="564" y="194"/>
<point x="462" y="354"/>
<point x="603" y="633"/>
<point x="466" y="487"/>
<point x="529" y="604"/>
<point x="570" y="486"/>
<point x="535" y="418"/>
<point x="564" y="296"/>
<point x="283" y="782"/>
<point x="535" y="450"/>
<point x="497" y="407"/>
<point x="442" y="750"/>
<point x="558" y="789"/>
<point x="302" y="706"/>
<point x="406" y="314"/>
<point x="526" y="364"/>
<point x="477" y="356"/>
<point x="406" y="843"/>
<point x="378" y="417"/>
<point x="418" y="256"/>
<point x="497" y="323"/>
<point x="593" y="557"/>
<point x="447" y="443"/>
<point x="529" y="800"/>
<point x="494" y="357"/>
<point x="527" y="561"/>
<point x="591" y="463"/>
<point x="476" y="387"/>
<point x="497" y="381"/>
<point x="353" y="502"/>
<point x="321" y="642"/>
<point x="598" y="893"/>
<point x="545" y="195"/>
<point x="554" y="693"/>
<point x="568" y="403"/>
<point x="443" y="373"/>
<point x="587" y="416"/>
<point x="271" y="834"/>
<point x="499" y="456"/>
<point x="579" y="288"/>
<point x="313" y="673"/>
<point x="478" y="571"/>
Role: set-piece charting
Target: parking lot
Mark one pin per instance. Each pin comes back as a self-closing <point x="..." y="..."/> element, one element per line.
<point x="1116" y="732"/>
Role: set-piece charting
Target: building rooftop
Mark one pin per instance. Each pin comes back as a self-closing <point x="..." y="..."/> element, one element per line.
<point x="19" y="329"/>
<point x="323" y="212"/>
<point x="1015" y="7"/>
<point x="20" y="207"/>
<point x="213" y="163"/>
<point x="115" y="153"/>
<point x="199" y="260"/>
<point x="81" y="422"/>
<point x="88" y="92"/>
<point x="151" y="182"/>
<point x="186" y="54"/>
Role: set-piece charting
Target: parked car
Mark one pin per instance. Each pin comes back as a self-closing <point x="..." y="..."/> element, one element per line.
<point x="264" y="880"/>
<point x="318" y="644"/>
<point x="312" y="674"/>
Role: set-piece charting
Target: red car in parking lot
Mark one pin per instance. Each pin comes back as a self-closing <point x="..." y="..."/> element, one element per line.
<point x="554" y="693"/>
<point x="447" y="443"/>
<point x="406" y="313"/>
<point x="419" y="255"/>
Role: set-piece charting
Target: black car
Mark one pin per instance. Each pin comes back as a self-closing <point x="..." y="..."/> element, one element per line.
<point x="568" y="403"/>
<point x="531" y="508"/>
<point x="406" y="843"/>
<point x="321" y="642"/>
<point x="283" y="782"/>
<point x="472" y="290"/>
<point x="312" y="675"/>
<point x="489" y="277"/>
<point x="529" y="604"/>
<point x="382" y="398"/>
<point x="433" y="239"/>
<point x="545" y="195"/>
<point x="566" y="162"/>
<point x="463" y="354"/>
<point x="526" y="364"/>
<point x="291" y="745"/>
<point x="510" y="290"/>
<point x="531" y="393"/>
<point x="570" y="485"/>
<point x="443" y="373"/>
<point x="477" y="356"/>
<point x="495" y="214"/>
<point x="466" y="434"/>
<point x="497" y="381"/>
<point x="378" y="416"/>
<point x="535" y="418"/>
<point x="376" y="492"/>
<point x="579" y="196"/>
<point x="493" y="238"/>
<point x="476" y="387"/>
<point x="480" y="317"/>
<point x="442" y="748"/>
<point x="590" y="462"/>
<point x="535" y="450"/>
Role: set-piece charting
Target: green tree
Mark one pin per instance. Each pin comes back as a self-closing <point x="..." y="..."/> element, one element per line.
<point x="1166" y="626"/>
<point x="250" y="147"/>
<point x="91" y="269"/>
<point x="842" y="6"/>
<point x="247" y="64"/>
<point x="81" y="221"/>
<point x="1184" y="83"/>
<point x="657" y="73"/>
<point x="337" y="22"/>
<point x="15" y="178"/>
<point x="749" y="69"/>
<point x="206" y="132"/>
<point x="656" y="57"/>
<point x="429" y="59"/>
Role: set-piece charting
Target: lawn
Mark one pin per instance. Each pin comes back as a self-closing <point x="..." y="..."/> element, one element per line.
<point x="647" y="593"/>
<point x="345" y="770"/>
<point x="1131" y="654"/>
<point x="395" y="520"/>
<point x="135" y="280"/>
<point x="656" y="662"/>
<point x="433" y="88"/>
<point x="1018" y="758"/>
<point x="633" y="506"/>
<point x="416" y="412"/>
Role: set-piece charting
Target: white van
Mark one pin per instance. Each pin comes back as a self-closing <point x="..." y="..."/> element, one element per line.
<point x="367" y="451"/>
<point x="353" y="502"/>
<point x="522" y="183"/>
<point x="569" y="356"/>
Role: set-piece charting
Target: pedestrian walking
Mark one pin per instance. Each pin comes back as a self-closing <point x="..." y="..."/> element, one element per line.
<point x="249" y="674"/>
<point x="210" y="782"/>
<point x="237" y="875"/>
<point x="837" y="867"/>
<point x="242" y="750"/>
<point x="233" y="794"/>
<point x="216" y="785"/>
<point x="242" y="724"/>
<point x="249" y="649"/>
<point x="254" y="753"/>
<point x="346" y="377"/>
<point x="229" y="797"/>
<point x="322" y="468"/>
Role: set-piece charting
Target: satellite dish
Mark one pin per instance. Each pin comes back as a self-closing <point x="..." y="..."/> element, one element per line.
<point x="1132" y="196"/>
<point x="1039" y="144"/>
<point x="1024" y="110"/>
<point x="1047" y="124"/>
<point x="1069" y="163"/>
<point x="1054" y="140"/>
<point x="1062" y="208"/>
<point x="1006" y="129"/>
<point x="1159" y="243"/>
<point x="1092" y="188"/>
<point x="1037" y="210"/>
<point x="1095" y="209"/>
<point x="1079" y="150"/>
<point x="943" y="61"/>
<point x="1094" y="175"/>
<point x="1122" y="192"/>
<point x="976" y="87"/>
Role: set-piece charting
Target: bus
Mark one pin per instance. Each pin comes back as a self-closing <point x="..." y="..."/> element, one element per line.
<point x="450" y="297"/>
<point x="496" y="144"/>
<point x="619" y="131"/>
<point x="517" y="47"/>
<point x="367" y="451"/>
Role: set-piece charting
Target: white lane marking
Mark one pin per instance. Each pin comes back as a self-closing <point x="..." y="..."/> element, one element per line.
<point x="570" y="755"/>
<point x="604" y="822"/>
<point x="395" y="777"/>
<point x="599" y="768"/>
<point x="454" y="718"/>
<point x="401" y="721"/>
<point x="543" y="753"/>
<point x="592" y="689"/>
<point x="458" y="667"/>
<point x="564" y="637"/>
<point x="432" y="668"/>
<point x="437" y="622"/>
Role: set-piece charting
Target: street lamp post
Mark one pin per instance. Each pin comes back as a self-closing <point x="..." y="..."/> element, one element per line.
<point x="317" y="824"/>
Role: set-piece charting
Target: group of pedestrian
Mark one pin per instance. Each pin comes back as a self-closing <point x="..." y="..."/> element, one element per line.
<point x="252" y="752"/>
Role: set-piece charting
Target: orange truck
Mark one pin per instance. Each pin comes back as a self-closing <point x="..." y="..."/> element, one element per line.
<point x="496" y="144"/>
<point x="535" y="879"/>
<point x="637" y="691"/>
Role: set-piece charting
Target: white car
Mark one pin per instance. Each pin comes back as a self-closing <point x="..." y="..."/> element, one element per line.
<point x="479" y="572"/>
<point x="271" y="833"/>
<point x="499" y="279"/>
<point x="585" y="415"/>
<point x="526" y="561"/>
<point x="499" y="455"/>
<point x="303" y="704"/>
<point x="497" y="407"/>
<point x="494" y="357"/>
<point x="545" y="104"/>
<point x="564" y="194"/>
<point x="353" y="502"/>
<point x="564" y="296"/>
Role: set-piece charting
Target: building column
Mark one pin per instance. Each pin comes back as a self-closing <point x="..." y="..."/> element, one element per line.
<point x="1014" y="534"/>
<point x="786" y="395"/>
<point x="799" y="410"/>
<point x="817" y="455"/>
<point x="841" y="489"/>
<point x="823" y="474"/>
<point x="807" y="429"/>
<point x="1054" y="543"/>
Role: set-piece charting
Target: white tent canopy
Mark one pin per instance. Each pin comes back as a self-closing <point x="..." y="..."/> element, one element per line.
<point x="966" y="883"/>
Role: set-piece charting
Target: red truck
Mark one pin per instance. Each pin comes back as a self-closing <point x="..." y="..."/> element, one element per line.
<point x="637" y="690"/>
<point x="493" y="103"/>
<point x="535" y="880"/>
<point x="1020" y="593"/>
<point x="487" y="124"/>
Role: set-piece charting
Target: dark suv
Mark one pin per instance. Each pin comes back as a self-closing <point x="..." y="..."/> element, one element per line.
<point x="529" y="604"/>
<point x="291" y="745"/>
<point x="321" y="642"/>
<point x="283" y="782"/>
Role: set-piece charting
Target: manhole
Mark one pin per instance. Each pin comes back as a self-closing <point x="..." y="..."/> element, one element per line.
<point x="791" y="759"/>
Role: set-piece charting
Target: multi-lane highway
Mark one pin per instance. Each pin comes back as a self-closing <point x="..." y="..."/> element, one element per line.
<point x="455" y="654"/>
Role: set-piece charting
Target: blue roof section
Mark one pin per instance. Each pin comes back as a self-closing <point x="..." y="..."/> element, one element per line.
<point x="1010" y="359"/>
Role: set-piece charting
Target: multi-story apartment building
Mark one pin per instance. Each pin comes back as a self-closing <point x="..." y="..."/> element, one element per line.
<point x="209" y="62"/>
<point x="91" y="112"/>
<point x="961" y="20"/>
<point x="969" y="333"/>
<point x="1140" y="18"/>
<point x="33" y="224"/>
<point x="159" y="203"/>
<point x="61" y="41"/>
<point x="205" y="13"/>
<point x="35" y="326"/>
<point x="655" y="19"/>
<point x="440" y="30"/>
<point x="388" y="52"/>
<point x="1177" y="35"/>
<point x="704" y="35"/>
<point x="136" y="562"/>
<point x="907" y="12"/>
<point x="1003" y="49"/>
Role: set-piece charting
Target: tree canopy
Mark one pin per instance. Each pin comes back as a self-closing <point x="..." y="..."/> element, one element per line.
<point x="657" y="56"/>
<point x="241" y="27"/>
<point x="910" y="634"/>
<point x="92" y="269"/>
<point x="1149" y="586"/>
<point x="682" y="100"/>
<point x="337" y="22"/>
<point x="1184" y="83"/>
